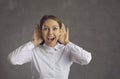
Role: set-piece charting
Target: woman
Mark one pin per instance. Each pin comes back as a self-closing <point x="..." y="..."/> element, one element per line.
<point x="50" y="52"/>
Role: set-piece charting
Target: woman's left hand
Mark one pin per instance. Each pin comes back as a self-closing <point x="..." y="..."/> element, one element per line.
<point x="64" y="37"/>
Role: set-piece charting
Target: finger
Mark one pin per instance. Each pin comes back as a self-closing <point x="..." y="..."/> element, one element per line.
<point x="40" y="32"/>
<point x="67" y="33"/>
<point x="37" y="28"/>
<point x="63" y="28"/>
<point x="36" y="31"/>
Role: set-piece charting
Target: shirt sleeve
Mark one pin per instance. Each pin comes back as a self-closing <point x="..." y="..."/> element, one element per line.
<point x="78" y="54"/>
<point x="22" y="54"/>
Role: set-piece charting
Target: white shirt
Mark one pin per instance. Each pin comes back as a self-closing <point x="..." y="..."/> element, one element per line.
<point x="50" y="62"/>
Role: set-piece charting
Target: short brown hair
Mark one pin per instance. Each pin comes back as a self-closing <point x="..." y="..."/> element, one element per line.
<point x="46" y="17"/>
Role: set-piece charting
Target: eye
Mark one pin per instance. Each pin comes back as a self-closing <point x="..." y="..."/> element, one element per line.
<point x="55" y="28"/>
<point x="45" y="28"/>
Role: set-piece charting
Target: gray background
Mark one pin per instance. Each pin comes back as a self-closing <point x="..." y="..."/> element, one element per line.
<point x="94" y="25"/>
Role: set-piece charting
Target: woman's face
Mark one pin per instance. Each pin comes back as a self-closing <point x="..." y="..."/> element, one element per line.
<point x="51" y="32"/>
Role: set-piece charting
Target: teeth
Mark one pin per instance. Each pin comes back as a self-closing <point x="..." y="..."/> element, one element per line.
<point x="51" y="38"/>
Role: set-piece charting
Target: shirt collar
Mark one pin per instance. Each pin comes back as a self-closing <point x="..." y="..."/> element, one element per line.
<point x="56" y="46"/>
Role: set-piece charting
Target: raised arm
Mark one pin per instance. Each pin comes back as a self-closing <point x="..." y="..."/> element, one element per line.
<point x="78" y="54"/>
<point x="23" y="54"/>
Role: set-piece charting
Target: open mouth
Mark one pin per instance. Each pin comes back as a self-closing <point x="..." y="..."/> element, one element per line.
<point x="51" y="39"/>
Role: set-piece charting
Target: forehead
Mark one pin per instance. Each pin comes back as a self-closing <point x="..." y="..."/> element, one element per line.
<point x="50" y="22"/>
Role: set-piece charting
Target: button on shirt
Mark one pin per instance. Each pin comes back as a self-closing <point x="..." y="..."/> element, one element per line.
<point x="50" y="62"/>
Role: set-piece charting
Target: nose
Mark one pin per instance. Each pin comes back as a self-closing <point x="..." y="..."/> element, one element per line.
<point x="50" y="31"/>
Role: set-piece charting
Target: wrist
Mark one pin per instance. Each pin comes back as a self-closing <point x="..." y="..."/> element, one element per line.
<point x="37" y="42"/>
<point x="66" y="42"/>
<point x="34" y="43"/>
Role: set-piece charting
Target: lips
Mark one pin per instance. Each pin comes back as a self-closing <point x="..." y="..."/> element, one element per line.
<point x="51" y="38"/>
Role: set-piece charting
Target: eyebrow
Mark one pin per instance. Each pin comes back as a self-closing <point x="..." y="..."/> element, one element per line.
<point x="48" y="26"/>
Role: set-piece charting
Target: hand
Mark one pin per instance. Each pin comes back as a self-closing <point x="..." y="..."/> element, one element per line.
<point x="37" y="37"/>
<point x="64" y="37"/>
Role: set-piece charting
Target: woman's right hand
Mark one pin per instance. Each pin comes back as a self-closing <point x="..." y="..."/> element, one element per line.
<point x="37" y="36"/>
